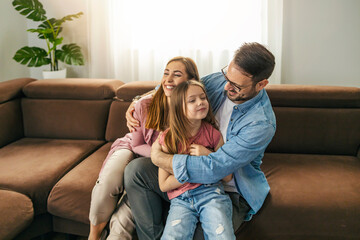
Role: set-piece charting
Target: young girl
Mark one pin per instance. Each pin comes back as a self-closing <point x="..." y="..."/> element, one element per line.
<point x="193" y="131"/>
<point x="152" y="113"/>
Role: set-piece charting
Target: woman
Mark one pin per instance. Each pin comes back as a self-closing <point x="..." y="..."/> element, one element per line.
<point x="152" y="114"/>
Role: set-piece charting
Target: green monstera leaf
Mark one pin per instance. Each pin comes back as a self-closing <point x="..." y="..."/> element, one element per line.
<point x="68" y="18"/>
<point x="31" y="9"/>
<point x="32" y="56"/>
<point x="49" y="30"/>
<point x="70" y="54"/>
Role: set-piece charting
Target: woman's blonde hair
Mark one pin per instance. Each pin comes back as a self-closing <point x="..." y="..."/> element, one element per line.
<point x="158" y="110"/>
<point x="177" y="138"/>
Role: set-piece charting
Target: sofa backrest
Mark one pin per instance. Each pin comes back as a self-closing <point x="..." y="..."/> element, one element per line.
<point x="310" y="119"/>
<point x="68" y="108"/>
<point x="315" y="119"/>
<point x="11" y="122"/>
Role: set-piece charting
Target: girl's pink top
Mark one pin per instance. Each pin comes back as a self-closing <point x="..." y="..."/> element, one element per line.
<point x="141" y="140"/>
<point x="207" y="136"/>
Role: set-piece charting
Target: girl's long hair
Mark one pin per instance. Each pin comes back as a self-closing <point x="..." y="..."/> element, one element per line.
<point x="177" y="138"/>
<point x="158" y="112"/>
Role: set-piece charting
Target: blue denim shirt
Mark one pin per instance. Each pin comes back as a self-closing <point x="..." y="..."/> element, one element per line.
<point x="251" y="128"/>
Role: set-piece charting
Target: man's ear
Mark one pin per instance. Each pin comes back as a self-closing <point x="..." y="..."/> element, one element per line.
<point x="260" y="85"/>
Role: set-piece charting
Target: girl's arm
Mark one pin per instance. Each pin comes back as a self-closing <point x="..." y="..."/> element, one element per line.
<point x="167" y="181"/>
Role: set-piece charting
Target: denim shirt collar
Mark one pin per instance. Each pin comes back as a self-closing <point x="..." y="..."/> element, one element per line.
<point x="245" y="106"/>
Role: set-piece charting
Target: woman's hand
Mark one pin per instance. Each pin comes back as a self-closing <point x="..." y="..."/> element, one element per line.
<point x="131" y="122"/>
<point x="199" y="150"/>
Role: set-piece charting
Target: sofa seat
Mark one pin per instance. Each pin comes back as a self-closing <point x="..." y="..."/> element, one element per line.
<point x="39" y="164"/>
<point x="18" y="211"/>
<point x="70" y="198"/>
<point x="311" y="197"/>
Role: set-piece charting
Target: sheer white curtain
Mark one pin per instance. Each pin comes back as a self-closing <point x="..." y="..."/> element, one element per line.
<point x="132" y="40"/>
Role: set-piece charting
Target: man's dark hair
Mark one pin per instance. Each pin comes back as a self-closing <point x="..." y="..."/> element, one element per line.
<point x="256" y="60"/>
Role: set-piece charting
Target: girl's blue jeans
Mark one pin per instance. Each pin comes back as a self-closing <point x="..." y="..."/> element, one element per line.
<point x="147" y="201"/>
<point x="207" y="204"/>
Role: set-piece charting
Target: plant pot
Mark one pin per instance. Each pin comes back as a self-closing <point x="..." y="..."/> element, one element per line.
<point x="54" y="74"/>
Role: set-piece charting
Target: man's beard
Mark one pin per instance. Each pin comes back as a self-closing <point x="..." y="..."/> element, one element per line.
<point x="242" y="97"/>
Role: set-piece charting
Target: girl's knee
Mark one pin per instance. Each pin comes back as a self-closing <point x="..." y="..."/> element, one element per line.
<point x="224" y="232"/>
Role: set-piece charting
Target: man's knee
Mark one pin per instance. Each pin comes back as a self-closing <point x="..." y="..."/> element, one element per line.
<point x="134" y="170"/>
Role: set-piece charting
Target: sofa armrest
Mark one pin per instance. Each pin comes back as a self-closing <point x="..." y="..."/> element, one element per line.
<point x="11" y="120"/>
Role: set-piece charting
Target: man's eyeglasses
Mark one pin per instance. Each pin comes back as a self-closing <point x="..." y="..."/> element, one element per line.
<point x="233" y="85"/>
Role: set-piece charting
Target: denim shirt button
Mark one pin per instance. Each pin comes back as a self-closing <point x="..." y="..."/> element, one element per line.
<point x="236" y="107"/>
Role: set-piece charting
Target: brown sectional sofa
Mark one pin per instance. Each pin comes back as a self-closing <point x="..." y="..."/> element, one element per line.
<point x="55" y="134"/>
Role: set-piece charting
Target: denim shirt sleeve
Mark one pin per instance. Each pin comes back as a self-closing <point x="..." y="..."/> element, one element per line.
<point x="240" y="150"/>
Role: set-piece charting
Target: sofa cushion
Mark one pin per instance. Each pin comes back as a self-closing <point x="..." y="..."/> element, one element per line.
<point x="67" y="119"/>
<point x="311" y="197"/>
<point x="316" y="131"/>
<point x="70" y="197"/>
<point x="13" y="88"/>
<point x="33" y="166"/>
<point x="17" y="213"/>
<point x="286" y="95"/>
<point x="73" y="88"/>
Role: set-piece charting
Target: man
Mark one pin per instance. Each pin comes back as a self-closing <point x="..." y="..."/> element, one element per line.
<point x="247" y="123"/>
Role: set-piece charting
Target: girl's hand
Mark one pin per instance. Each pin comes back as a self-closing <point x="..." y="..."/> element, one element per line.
<point x="199" y="150"/>
<point x="131" y="122"/>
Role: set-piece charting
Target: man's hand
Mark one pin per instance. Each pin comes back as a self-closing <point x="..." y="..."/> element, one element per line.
<point x="161" y="159"/>
<point x="131" y="122"/>
<point x="199" y="150"/>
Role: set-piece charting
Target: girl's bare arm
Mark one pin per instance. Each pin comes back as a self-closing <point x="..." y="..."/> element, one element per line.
<point x="167" y="181"/>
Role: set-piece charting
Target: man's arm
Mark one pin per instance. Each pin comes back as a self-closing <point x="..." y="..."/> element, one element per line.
<point x="199" y="150"/>
<point x="161" y="159"/>
<point x="228" y="177"/>
<point x="239" y="151"/>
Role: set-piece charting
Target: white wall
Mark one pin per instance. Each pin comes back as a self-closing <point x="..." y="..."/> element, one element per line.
<point x="321" y="42"/>
<point x="12" y="37"/>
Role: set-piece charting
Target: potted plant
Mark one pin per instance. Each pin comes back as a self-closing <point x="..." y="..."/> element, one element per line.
<point x="49" y="30"/>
